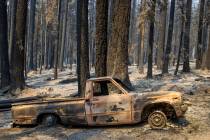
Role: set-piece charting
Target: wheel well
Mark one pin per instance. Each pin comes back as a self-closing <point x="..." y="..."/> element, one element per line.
<point x="165" y="107"/>
<point x="40" y="117"/>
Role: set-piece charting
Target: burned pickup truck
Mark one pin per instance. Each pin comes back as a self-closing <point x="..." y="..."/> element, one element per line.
<point x="107" y="101"/>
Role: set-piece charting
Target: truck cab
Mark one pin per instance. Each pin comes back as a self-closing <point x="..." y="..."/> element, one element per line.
<point x="107" y="102"/>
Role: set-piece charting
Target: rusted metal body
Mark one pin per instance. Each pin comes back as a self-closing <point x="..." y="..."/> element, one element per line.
<point x="122" y="107"/>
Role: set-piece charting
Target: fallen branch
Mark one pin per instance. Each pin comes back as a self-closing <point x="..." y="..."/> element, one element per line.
<point x="67" y="81"/>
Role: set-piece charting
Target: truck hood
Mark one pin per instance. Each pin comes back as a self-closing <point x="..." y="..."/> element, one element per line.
<point x="158" y="95"/>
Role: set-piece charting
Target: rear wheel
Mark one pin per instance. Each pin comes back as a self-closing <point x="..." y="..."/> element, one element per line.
<point x="49" y="120"/>
<point x="157" y="119"/>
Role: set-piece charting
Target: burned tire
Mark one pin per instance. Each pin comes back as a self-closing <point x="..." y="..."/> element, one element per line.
<point x="49" y="120"/>
<point x="157" y="119"/>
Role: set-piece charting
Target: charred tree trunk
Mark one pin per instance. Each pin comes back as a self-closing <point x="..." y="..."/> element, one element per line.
<point x="18" y="47"/>
<point x="151" y="39"/>
<point x="200" y="35"/>
<point x="142" y="36"/>
<point x="169" y="39"/>
<point x="35" y="41"/>
<point x="206" y="61"/>
<point x="82" y="46"/>
<point x="101" y="37"/>
<point x="132" y="31"/>
<point x="63" y="38"/>
<point x="161" y="27"/>
<point x="42" y="36"/>
<point x="132" y="22"/>
<point x="31" y="33"/>
<point x="150" y="50"/>
<point x="181" y="39"/>
<point x="117" y="56"/>
<point x="12" y="26"/>
<point x="110" y="16"/>
<point x="186" y="50"/>
<point x="4" y="59"/>
<point x="57" y="42"/>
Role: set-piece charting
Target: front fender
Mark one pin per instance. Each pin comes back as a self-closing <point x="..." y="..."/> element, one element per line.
<point x="141" y="110"/>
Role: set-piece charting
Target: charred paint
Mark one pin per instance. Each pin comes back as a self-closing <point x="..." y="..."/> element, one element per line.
<point x="113" y="109"/>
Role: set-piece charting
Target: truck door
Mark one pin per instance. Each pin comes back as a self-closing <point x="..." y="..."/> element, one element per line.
<point x="109" y="105"/>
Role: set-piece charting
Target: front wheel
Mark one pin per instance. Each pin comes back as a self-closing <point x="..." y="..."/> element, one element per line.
<point x="157" y="120"/>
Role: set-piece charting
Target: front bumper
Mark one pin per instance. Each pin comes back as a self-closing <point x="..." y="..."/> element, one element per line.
<point x="181" y="109"/>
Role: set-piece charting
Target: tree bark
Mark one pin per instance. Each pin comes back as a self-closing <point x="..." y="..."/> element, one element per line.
<point x="161" y="29"/>
<point x="150" y="50"/>
<point x="82" y="46"/>
<point x="200" y="35"/>
<point x="110" y="16"/>
<point x="101" y="37"/>
<point x="63" y="38"/>
<point x="206" y="61"/>
<point x="31" y="33"/>
<point x="132" y="31"/>
<point x="169" y="39"/>
<point x="42" y="36"/>
<point x="181" y="41"/>
<point x="17" y="54"/>
<point x="205" y="37"/>
<point x="12" y="24"/>
<point x="142" y="22"/>
<point x="186" y="50"/>
<point x="151" y="38"/>
<point x="4" y="58"/>
<point x="117" y="56"/>
<point x="57" y="41"/>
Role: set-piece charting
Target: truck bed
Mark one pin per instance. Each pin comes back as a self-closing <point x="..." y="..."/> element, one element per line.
<point x="69" y="110"/>
<point x="49" y="100"/>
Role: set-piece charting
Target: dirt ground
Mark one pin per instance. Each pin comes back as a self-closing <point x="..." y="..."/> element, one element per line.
<point x="195" y="126"/>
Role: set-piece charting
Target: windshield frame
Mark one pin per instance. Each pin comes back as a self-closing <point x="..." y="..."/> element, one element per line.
<point x="124" y="86"/>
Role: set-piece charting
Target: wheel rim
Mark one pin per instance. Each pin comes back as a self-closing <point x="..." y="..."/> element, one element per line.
<point x="157" y="120"/>
<point x="49" y="120"/>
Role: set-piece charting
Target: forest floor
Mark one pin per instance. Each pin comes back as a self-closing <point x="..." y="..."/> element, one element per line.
<point x="196" y="126"/>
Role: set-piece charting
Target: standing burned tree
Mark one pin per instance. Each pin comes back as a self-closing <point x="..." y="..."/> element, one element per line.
<point x="151" y="15"/>
<point x="82" y="45"/>
<point x="200" y="35"/>
<point x="186" y="51"/>
<point x="31" y="29"/>
<point x="18" y="47"/>
<point x="169" y="39"/>
<point x="206" y="57"/>
<point x="117" y="56"/>
<point x="161" y="29"/>
<point x="101" y="37"/>
<point x="181" y="7"/>
<point x="142" y="24"/>
<point x="58" y="3"/>
<point x="4" y="59"/>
